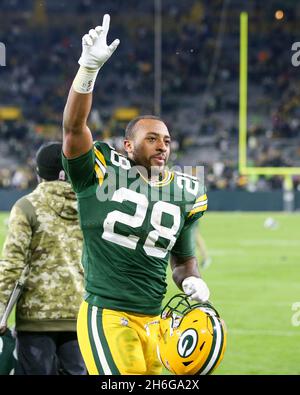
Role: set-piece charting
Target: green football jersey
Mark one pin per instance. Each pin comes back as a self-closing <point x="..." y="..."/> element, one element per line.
<point x="130" y="226"/>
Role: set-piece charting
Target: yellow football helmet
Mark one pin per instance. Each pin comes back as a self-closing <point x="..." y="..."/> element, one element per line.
<point x="192" y="337"/>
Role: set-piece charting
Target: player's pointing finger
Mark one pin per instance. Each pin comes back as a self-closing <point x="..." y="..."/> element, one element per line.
<point x="105" y="23"/>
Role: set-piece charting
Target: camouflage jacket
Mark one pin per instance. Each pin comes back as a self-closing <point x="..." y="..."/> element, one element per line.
<point x="44" y="233"/>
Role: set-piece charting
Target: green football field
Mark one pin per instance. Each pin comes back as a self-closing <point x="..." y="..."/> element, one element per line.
<point x="254" y="281"/>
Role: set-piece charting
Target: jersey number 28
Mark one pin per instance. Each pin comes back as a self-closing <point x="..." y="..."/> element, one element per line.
<point x="136" y="221"/>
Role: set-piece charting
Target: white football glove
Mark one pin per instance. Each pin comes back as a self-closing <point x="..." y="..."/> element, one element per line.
<point x="196" y="289"/>
<point x="95" y="51"/>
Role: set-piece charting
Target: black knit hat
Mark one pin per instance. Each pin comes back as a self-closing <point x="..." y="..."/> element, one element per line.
<point x="48" y="161"/>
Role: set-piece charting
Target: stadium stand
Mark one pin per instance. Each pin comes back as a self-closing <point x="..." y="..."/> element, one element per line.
<point x="200" y="82"/>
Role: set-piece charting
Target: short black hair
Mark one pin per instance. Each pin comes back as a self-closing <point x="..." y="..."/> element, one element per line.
<point x="129" y="131"/>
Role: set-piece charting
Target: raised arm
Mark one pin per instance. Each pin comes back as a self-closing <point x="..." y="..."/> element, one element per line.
<point x="77" y="137"/>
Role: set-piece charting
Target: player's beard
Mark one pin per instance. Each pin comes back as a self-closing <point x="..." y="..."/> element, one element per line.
<point x="146" y="168"/>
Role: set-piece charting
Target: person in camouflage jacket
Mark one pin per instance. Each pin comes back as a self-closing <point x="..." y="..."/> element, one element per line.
<point x="44" y="235"/>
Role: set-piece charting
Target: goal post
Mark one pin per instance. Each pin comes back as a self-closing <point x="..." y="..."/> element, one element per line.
<point x="243" y="112"/>
<point x="244" y="169"/>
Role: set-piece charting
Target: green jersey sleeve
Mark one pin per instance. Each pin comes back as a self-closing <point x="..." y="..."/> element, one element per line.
<point x="196" y="205"/>
<point x="87" y="169"/>
<point x="185" y="243"/>
<point x="198" y="208"/>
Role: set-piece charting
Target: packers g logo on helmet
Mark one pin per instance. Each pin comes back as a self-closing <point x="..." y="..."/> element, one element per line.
<point x="192" y="337"/>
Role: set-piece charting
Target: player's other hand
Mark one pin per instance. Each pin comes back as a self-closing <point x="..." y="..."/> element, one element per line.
<point x="95" y="51"/>
<point x="196" y="289"/>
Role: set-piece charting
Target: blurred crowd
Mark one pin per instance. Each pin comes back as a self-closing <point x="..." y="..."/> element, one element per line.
<point x="200" y="82"/>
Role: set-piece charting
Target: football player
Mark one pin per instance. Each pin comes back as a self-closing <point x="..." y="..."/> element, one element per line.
<point x="133" y="219"/>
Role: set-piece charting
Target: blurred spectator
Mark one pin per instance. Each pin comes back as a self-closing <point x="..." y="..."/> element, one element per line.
<point x="201" y="105"/>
